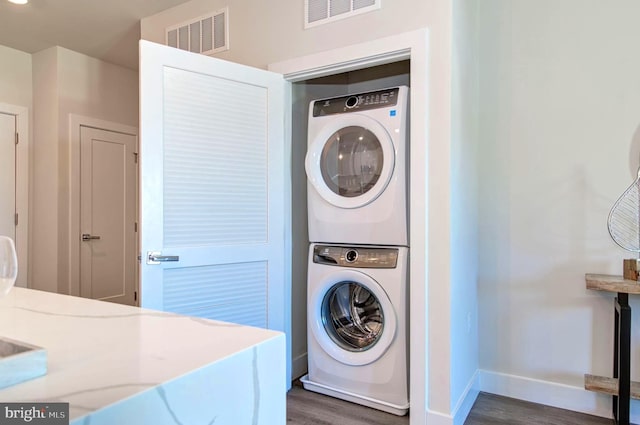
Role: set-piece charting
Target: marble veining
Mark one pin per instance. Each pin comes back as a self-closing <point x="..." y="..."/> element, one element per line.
<point x="205" y="322"/>
<point x="215" y="323"/>
<point x="96" y="316"/>
<point x="122" y="364"/>
<point x="163" y="396"/>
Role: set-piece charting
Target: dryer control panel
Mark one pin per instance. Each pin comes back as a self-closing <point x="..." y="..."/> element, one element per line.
<point x="356" y="256"/>
<point x="356" y="102"/>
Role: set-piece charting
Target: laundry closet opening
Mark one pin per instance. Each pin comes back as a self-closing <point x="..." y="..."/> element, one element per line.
<point x="358" y="81"/>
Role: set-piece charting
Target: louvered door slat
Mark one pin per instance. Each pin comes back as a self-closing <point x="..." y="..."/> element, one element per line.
<point x="214" y="168"/>
<point x="230" y="292"/>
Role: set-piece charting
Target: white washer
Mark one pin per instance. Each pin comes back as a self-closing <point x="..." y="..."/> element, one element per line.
<point x="356" y="169"/>
<point x="357" y="325"/>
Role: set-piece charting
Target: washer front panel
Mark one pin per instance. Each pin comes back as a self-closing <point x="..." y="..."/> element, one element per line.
<point x="352" y="316"/>
<point x="360" y="333"/>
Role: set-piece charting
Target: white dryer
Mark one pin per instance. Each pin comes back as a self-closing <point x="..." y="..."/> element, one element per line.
<point x="357" y="325"/>
<point x="356" y="168"/>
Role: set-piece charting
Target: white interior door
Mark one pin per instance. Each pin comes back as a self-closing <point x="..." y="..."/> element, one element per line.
<point x="212" y="188"/>
<point x="108" y="182"/>
<point x="7" y="175"/>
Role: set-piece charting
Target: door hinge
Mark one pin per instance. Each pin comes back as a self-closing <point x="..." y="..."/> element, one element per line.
<point x="135" y="295"/>
<point x="135" y="227"/>
<point x="135" y="157"/>
<point x="139" y="258"/>
<point x="16" y="219"/>
<point x="17" y="138"/>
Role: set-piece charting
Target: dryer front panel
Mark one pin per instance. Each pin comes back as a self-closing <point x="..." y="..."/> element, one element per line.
<point x="351" y="317"/>
<point x="351" y="161"/>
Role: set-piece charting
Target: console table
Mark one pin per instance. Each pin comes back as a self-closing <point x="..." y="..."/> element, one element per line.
<point x="620" y="386"/>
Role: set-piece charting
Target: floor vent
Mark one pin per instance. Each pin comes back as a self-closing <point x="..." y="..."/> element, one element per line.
<point x="207" y="34"/>
<point x="318" y="12"/>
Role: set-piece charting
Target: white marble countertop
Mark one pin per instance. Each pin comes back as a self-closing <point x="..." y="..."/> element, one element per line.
<point x="103" y="355"/>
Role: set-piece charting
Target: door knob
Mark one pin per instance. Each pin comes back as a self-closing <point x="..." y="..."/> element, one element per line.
<point x="87" y="237"/>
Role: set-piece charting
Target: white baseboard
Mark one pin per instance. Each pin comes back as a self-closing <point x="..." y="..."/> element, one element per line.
<point x="462" y="408"/>
<point x="299" y="366"/>
<point x="548" y="393"/>
<point x="437" y="418"/>
<point x="468" y="397"/>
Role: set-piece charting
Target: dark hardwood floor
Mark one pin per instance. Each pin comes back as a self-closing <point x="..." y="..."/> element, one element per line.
<point x="491" y="409"/>
<point x="308" y="408"/>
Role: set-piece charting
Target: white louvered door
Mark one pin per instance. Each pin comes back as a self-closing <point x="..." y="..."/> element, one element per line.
<point x="212" y="188"/>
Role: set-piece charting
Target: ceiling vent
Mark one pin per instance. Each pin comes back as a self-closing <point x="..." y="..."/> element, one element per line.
<point x="207" y="34"/>
<point x="318" y="12"/>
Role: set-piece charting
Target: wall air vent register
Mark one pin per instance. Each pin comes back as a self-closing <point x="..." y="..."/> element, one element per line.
<point x="318" y="12"/>
<point x="206" y="34"/>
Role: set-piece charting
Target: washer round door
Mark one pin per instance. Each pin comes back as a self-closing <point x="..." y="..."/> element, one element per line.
<point x="351" y="317"/>
<point x="351" y="161"/>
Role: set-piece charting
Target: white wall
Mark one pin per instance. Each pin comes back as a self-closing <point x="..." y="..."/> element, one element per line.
<point x="16" y="89"/>
<point x="96" y="89"/>
<point x="43" y="241"/>
<point x="439" y="207"/>
<point x="560" y="140"/>
<point x="464" y="208"/>
<point x="15" y="77"/>
<point x="267" y="32"/>
<point x="67" y="82"/>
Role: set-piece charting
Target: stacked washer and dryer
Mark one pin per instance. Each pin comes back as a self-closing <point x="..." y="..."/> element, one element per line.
<point x="357" y="312"/>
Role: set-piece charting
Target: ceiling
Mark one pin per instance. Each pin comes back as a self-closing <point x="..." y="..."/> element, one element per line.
<point x="105" y="29"/>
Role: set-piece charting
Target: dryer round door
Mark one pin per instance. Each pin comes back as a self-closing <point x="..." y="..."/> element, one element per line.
<point x="351" y="317"/>
<point x="351" y="161"/>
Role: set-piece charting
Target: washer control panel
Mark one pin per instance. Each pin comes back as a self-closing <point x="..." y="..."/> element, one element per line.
<point x="357" y="102"/>
<point x="359" y="256"/>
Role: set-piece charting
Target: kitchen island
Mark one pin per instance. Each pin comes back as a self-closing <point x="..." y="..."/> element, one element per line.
<point x="118" y="364"/>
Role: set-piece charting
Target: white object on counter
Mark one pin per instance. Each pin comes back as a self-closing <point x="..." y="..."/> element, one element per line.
<point x="122" y="364"/>
<point x="8" y="265"/>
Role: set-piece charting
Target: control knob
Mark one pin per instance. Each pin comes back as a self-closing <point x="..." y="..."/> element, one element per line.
<point x="351" y="256"/>
<point x="351" y="102"/>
